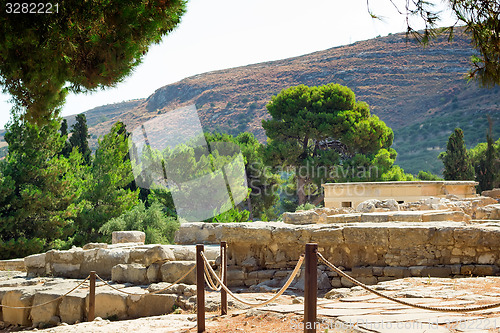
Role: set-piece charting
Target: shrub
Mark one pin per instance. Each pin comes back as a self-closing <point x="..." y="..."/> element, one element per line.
<point x="305" y="206"/>
<point x="158" y="227"/>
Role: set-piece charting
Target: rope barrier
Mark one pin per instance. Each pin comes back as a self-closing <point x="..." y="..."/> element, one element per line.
<point x="42" y="304"/>
<point x="151" y="293"/>
<point x="431" y="308"/>
<point x="208" y="279"/>
<point x="280" y="292"/>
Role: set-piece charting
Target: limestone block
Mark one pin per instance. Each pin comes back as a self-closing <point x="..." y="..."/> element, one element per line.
<point x="150" y="305"/>
<point x="18" y="297"/>
<point x="171" y="271"/>
<point x="235" y="274"/>
<point x="65" y="270"/>
<point x="489" y="212"/>
<point x="304" y="217"/>
<point x="35" y="265"/>
<point x="248" y="232"/>
<point x="128" y="237"/>
<point x="109" y="304"/>
<point x="153" y="273"/>
<point x="35" y="261"/>
<point x="416" y="270"/>
<point x="367" y="206"/>
<point x="71" y="308"/>
<point x="345" y="282"/>
<point x="103" y="260"/>
<point x="397" y="272"/>
<point x="133" y="273"/>
<point x="199" y="233"/>
<point x="158" y="253"/>
<point x="484" y="270"/>
<point x="336" y="283"/>
<point x="344" y="218"/>
<point x="494" y="193"/>
<point x="91" y="246"/>
<point x="443" y="271"/>
<point x="375" y="217"/>
<point x="378" y="237"/>
<point x="404" y="237"/>
<point x="486" y="258"/>
<point x="406" y="216"/>
<point x="368" y="280"/>
<point x="362" y="271"/>
<point x="43" y="314"/>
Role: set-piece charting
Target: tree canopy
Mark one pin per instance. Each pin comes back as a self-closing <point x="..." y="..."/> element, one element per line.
<point x="314" y="128"/>
<point x="456" y="159"/>
<point x="86" y="45"/>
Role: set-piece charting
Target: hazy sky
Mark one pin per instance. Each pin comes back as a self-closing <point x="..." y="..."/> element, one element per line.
<point x="219" y="34"/>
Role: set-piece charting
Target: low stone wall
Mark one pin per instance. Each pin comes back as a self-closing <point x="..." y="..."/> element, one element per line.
<point x="373" y="252"/>
<point x="136" y="263"/>
<point x="12" y="265"/>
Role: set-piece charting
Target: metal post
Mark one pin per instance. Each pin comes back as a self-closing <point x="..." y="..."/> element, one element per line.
<point x="311" y="288"/>
<point x="223" y="292"/>
<point x="200" y="289"/>
<point x="91" y="314"/>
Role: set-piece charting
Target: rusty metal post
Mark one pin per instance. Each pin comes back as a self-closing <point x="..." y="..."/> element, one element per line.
<point x="223" y="292"/>
<point x="311" y="288"/>
<point x="200" y="289"/>
<point x="91" y="314"/>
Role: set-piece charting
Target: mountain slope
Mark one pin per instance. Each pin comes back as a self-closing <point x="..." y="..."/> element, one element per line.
<point x="420" y="92"/>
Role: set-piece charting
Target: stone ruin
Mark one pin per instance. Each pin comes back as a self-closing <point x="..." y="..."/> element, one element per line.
<point x="374" y="242"/>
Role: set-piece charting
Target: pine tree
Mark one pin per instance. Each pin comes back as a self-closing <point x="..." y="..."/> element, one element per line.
<point x="79" y="137"/>
<point x="456" y="159"/>
<point x="485" y="169"/>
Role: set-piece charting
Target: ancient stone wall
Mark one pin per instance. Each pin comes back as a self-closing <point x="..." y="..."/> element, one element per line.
<point x="373" y="252"/>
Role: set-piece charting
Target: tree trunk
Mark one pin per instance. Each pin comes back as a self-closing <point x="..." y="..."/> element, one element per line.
<point x="301" y="183"/>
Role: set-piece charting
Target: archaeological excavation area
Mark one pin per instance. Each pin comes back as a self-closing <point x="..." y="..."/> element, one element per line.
<point x="377" y="241"/>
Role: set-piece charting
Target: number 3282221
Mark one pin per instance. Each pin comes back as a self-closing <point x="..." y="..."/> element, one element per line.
<point x="31" y="8"/>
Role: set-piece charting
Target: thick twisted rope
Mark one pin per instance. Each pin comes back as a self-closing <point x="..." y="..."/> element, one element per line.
<point x="42" y="304"/>
<point x="280" y="292"/>
<point x="431" y="308"/>
<point x="151" y="293"/>
<point x="208" y="279"/>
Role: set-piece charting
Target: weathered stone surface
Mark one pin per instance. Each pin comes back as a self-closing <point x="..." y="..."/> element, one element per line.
<point x="444" y="271"/>
<point x="91" y="246"/>
<point x="71" y="308"/>
<point x="171" y="271"/>
<point x="153" y="273"/>
<point x="368" y="206"/>
<point x="103" y="260"/>
<point x="35" y="261"/>
<point x="494" y="193"/>
<point x="109" y="304"/>
<point x="43" y="314"/>
<point x="20" y="298"/>
<point x="304" y="217"/>
<point x="158" y="253"/>
<point x="12" y="265"/>
<point x="150" y="305"/>
<point x="490" y="212"/>
<point x="133" y="273"/>
<point x="128" y="237"/>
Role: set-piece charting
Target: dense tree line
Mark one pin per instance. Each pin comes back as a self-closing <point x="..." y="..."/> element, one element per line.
<point x="481" y="163"/>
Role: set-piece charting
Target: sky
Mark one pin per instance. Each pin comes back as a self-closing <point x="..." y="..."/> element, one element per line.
<point x="220" y="34"/>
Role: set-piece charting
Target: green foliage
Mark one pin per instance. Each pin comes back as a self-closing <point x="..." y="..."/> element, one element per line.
<point x="306" y="206"/>
<point x="79" y="138"/>
<point x="486" y="160"/>
<point x="395" y="173"/>
<point x="263" y="184"/>
<point x="304" y="118"/>
<point x="106" y="195"/>
<point x="456" y="160"/>
<point x="158" y="227"/>
<point x="85" y="46"/>
<point x="423" y="175"/>
<point x="38" y="186"/>
<point x="231" y="215"/>
<point x="20" y="247"/>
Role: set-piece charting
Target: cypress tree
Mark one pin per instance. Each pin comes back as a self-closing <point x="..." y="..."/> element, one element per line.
<point x="79" y="137"/>
<point x="456" y="160"/>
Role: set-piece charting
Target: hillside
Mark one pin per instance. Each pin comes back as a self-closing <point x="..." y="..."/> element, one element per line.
<point x="420" y="92"/>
